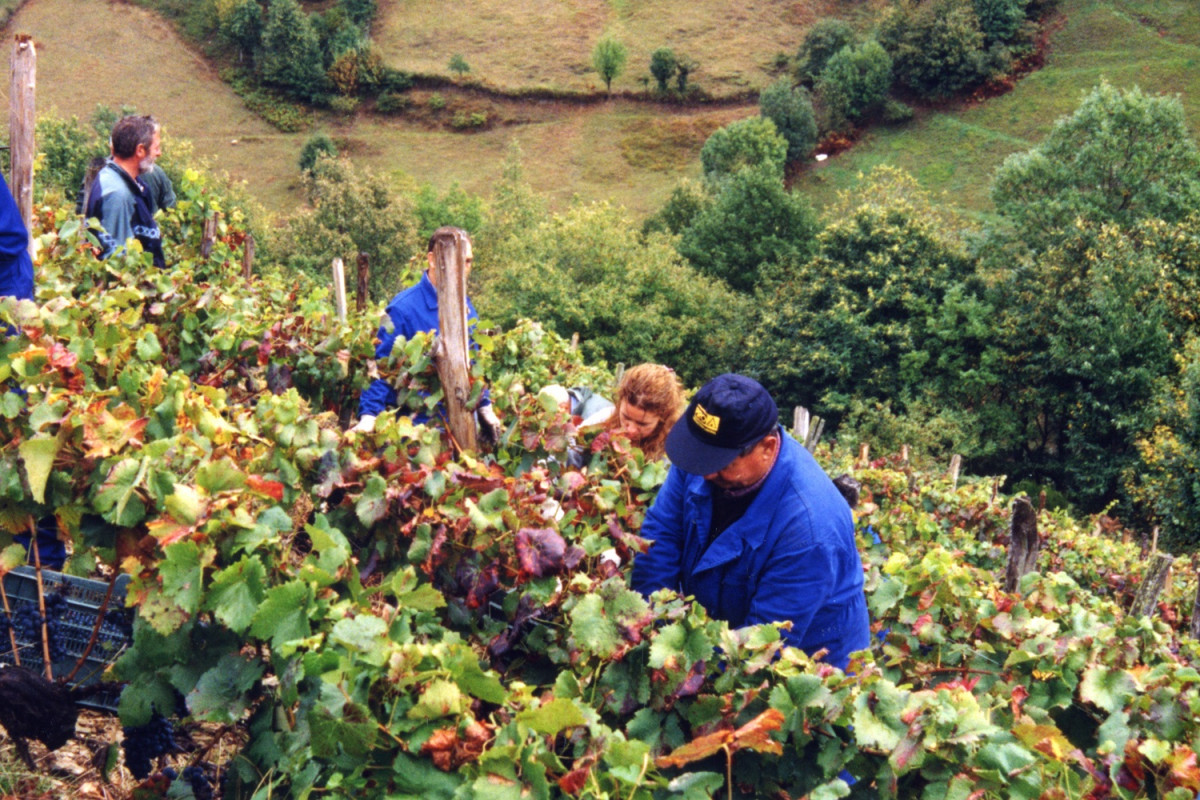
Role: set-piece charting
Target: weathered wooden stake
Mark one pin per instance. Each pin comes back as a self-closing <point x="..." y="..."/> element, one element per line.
<point x="1154" y="540"/>
<point x="209" y="236"/>
<point x="801" y="420"/>
<point x="21" y="122"/>
<point x="904" y="453"/>
<point x="1146" y="599"/>
<point x="864" y="454"/>
<point x="339" y="288"/>
<point x="248" y="258"/>
<point x="1023" y="543"/>
<point x="362" y="295"/>
<point x="814" y="436"/>
<point x="451" y="353"/>
<point x="955" y="466"/>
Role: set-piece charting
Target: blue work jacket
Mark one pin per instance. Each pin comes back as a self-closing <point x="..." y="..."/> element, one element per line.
<point x="16" y="268"/>
<point x="791" y="556"/>
<point x="413" y="311"/>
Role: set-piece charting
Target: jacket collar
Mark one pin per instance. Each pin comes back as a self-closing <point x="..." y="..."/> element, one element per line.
<point x="751" y="529"/>
<point x="428" y="293"/>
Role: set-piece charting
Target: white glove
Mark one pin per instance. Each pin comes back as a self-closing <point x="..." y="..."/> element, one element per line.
<point x="489" y="424"/>
<point x="365" y="424"/>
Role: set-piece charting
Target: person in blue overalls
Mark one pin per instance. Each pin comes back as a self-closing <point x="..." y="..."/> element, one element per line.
<point x="413" y="311"/>
<point x="749" y="524"/>
<point x="16" y="280"/>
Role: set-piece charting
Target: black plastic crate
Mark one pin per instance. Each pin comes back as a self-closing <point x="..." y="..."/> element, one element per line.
<point x="84" y="598"/>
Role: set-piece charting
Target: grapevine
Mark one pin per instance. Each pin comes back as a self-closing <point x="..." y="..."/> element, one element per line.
<point x="378" y="615"/>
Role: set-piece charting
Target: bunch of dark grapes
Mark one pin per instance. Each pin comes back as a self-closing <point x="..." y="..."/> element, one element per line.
<point x="121" y="619"/>
<point x="56" y="609"/>
<point x="147" y="742"/>
<point x="5" y="624"/>
<point x="195" y="776"/>
<point x="27" y="622"/>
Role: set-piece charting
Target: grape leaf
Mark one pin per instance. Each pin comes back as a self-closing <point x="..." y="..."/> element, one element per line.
<point x="592" y="630"/>
<point x="183" y="575"/>
<point x="540" y="551"/>
<point x="221" y="694"/>
<point x="1109" y="689"/>
<point x="362" y="633"/>
<point x="38" y="456"/>
<point x="283" y="616"/>
<point x="372" y="503"/>
<point x="553" y="717"/>
<point x="117" y="497"/>
<point x="236" y="592"/>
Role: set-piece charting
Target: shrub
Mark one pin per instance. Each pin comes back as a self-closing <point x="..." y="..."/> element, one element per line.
<point x="752" y="142"/>
<point x="855" y="81"/>
<point x="318" y="145"/>
<point x="292" y="59"/>
<point x="391" y="102"/>
<point x="895" y="112"/>
<point x="458" y="65"/>
<point x="687" y="200"/>
<point x="825" y="38"/>
<point x="344" y="105"/>
<point x="478" y="119"/>
<point x="608" y="59"/>
<point x="936" y="47"/>
<point x="436" y="101"/>
<point x="791" y="109"/>
<point x="663" y="66"/>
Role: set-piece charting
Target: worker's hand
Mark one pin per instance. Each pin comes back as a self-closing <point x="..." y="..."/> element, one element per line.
<point x="490" y="427"/>
<point x="365" y="424"/>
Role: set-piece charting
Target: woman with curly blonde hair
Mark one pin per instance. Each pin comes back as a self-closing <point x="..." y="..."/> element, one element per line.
<point x="649" y="400"/>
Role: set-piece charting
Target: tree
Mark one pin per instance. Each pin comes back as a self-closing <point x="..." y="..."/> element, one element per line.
<point x="826" y="37"/>
<point x="458" y="65"/>
<point x="1121" y="157"/>
<point x="936" y="47"/>
<point x="686" y="202"/>
<point x="319" y="145"/>
<point x="790" y="108"/>
<point x="587" y="271"/>
<point x="453" y="207"/>
<point x="752" y="225"/>
<point x="999" y="20"/>
<point x="683" y="68"/>
<point x="856" y="321"/>
<point x="663" y="66"/>
<point x="242" y="26"/>
<point x="291" y="52"/>
<point x="352" y="212"/>
<point x="855" y="81"/>
<point x="608" y="59"/>
<point x="752" y="142"/>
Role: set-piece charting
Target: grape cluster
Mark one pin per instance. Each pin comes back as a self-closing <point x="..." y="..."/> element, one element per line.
<point x="145" y="743"/>
<point x="26" y="623"/>
<point x="195" y="776"/>
<point x="56" y="609"/>
<point x="5" y="625"/>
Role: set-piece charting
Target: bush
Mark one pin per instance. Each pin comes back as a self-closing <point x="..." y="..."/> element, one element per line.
<point x="825" y="38"/>
<point x="752" y="224"/>
<point x="352" y="212"/>
<point x="663" y="66"/>
<point x="686" y="202"/>
<point x="436" y="102"/>
<point x="391" y="102"/>
<point x="746" y="143"/>
<point x="855" y="82"/>
<point x="894" y="112"/>
<point x="318" y="145"/>
<point x="999" y="20"/>
<point x="458" y="65"/>
<point x="343" y="105"/>
<point x="791" y="109"/>
<point x="936" y="47"/>
<point x="291" y="52"/>
<point x="586" y="271"/>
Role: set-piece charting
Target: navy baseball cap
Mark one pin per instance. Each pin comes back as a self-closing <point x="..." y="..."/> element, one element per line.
<point x="729" y="413"/>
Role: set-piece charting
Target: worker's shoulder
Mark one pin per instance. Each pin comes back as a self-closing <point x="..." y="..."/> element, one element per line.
<point x="113" y="183"/>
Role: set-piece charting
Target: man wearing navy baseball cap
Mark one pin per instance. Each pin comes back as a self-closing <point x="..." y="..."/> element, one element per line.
<point x="750" y="524"/>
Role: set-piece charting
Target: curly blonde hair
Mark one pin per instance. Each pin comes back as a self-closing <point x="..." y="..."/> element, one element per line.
<point x="654" y="389"/>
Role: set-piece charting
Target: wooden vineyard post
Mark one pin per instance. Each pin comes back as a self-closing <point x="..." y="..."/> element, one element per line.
<point x="451" y="353"/>
<point x="21" y="127"/>
<point x="955" y="467"/>
<point x="864" y="454"/>
<point x="800" y="423"/>
<point x="364" y="276"/>
<point x="339" y="289"/>
<point x="1196" y="606"/>
<point x="208" y="237"/>
<point x="248" y="258"/>
<point x="1023" y="543"/>
<point x="1152" y="585"/>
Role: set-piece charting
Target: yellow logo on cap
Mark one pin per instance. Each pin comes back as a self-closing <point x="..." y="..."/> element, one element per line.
<point x="706" y="421"/>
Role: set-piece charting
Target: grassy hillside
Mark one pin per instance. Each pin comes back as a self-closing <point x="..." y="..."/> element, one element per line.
<point x="629" y="153"/>
<point x="520" y="43"/>
<point x="1155" y="45"/>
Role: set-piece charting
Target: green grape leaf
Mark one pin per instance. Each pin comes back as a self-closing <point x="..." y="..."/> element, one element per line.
<point x="183" y="575"/>
<point x="1109" y="689"/>
<point x="117" y="497"/>
<point x="222" y="693"/>
<point x="696" y="785"/>
<point x="441" y="698"/>
<point x="591" y="629"/>
<point x="283" y="616"/>
<point x="362" y="633"/>
<point x="236" y="593"/>
<point x="372" y="503"/>
<point x="38" y="456"/>
<point x="553" y="717"/>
